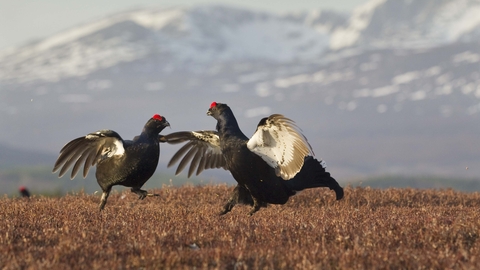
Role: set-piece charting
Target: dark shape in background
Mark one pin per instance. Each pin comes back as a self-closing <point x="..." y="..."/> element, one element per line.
<point x="24" y="193"/>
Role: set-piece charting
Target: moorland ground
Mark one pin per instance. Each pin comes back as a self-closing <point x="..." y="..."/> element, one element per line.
<point x="181" y="229"/>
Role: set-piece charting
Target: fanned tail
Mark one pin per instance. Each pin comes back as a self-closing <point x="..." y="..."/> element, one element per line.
<point x="313" y="175"/>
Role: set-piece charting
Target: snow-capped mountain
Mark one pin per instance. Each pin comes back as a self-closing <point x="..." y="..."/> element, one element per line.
<point x="409" y="24"/>
<point x="391" y="88"/>
<point x="184" y="38"/>
<point x="180" y="37"/>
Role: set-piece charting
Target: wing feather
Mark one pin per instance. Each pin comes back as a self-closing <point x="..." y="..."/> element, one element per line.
<point x="195" y="161"/>
<point x="74" y="155"/>
<point x="202" y="165"/>
<point x="90" y="161"/>
<point x="88" y="151"/>
<point x="280" y="143"/>
<point x="66" y="153"/>
<point x="202" y="151"/>
<point x="186" y="159"/>
<point x="79" y="162"/>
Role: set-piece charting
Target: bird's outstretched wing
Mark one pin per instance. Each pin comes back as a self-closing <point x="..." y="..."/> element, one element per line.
<point x="202" y="150"/>
<point x="89" y="150"/>
<point x="280" y="143"/>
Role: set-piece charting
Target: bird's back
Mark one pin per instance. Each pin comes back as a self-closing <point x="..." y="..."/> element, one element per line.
<point x="133" y="168"/>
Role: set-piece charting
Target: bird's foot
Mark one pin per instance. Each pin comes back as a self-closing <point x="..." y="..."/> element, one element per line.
<point x="102" y="205"/>
<point x="254" y="209"/>
<point x="104" y="198"/>
<point x="142" y="194"/>
<point x="227" y="208"/>
<point x="256" y="206"/>
<point x="223" y="212"/>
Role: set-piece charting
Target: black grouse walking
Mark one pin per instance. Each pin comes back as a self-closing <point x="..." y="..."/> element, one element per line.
<point x="128" y="163"/>
<point x="276" y="152"/>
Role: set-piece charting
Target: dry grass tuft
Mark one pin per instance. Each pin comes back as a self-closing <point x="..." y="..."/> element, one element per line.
<point x="369" y="229"/>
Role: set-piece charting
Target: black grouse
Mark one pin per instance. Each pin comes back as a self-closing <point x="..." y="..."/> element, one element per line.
<point x="128" y="163"/>
<point x="276" y="152"/>
<point x="24" y="193"/>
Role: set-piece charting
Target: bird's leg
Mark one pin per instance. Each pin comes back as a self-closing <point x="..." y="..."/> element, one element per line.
<point x="239" y="195"/>
<point x="141" y="193"/>
<point x="256" y="206"/>
<point x="103" y="200"/>
<point x="228" y="207"/>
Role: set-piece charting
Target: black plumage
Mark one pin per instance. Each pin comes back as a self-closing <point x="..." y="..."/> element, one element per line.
<point x="270" y="167"/>
<point x="128" y="163"/>
<point x="24" y="193"/>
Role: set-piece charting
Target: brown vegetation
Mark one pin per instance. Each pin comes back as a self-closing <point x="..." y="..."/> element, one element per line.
<point x="368" y="229"/>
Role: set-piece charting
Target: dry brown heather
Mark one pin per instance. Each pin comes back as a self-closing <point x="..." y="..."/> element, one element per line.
<point x="369" y="229"/>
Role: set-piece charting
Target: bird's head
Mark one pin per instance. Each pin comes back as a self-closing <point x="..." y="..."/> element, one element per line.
<point x="216" y="109"/>
<point x="157" y="123"/>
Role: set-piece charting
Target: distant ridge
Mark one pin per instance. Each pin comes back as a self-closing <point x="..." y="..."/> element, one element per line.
<point x="403" y="97"/>
<point x="11" y="157"/>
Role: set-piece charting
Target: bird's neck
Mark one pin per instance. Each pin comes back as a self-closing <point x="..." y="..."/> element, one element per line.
<point x="149" y="134"/>
<point x="227" y="124"/>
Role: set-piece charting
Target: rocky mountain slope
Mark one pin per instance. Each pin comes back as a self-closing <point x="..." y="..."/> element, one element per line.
<point x="390" y="88"/>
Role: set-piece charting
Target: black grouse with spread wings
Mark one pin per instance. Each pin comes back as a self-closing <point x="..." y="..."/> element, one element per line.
<point x="272" y="165"/>
<point x="128" y="163"/>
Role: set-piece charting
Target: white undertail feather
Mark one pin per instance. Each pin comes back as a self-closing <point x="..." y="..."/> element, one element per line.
<point x="280" y="143"/>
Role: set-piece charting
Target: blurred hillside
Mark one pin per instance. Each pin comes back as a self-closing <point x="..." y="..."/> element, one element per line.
<point x="390" y="89"/>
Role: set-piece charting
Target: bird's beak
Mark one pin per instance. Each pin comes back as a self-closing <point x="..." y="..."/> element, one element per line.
<point x="209" y="112"/>
<point x="168" y="124"/>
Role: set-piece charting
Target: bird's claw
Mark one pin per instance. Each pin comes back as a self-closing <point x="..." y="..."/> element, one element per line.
<point x="223" y="212"/>
<point x="102" y="205"/>
<point x="152" y="195"/>
<point x="256" y="206"/>
<point x="255" y="209"/>
<point x="142" y="194"/>
<point x="227" y="208"/>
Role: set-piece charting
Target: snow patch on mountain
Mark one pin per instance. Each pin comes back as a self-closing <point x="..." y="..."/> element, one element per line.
<point x="158" y="19"/>
<point x="200" y="39"/>
<point x="457" y="19"/>
<point x="467" y="57"/>
<point x="179" y="37"/>
<point x="409" y="24"/>
<point x="360" y="20"/>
